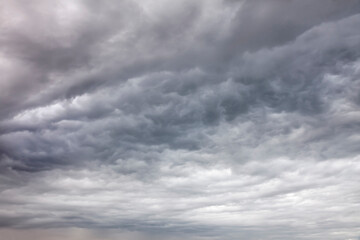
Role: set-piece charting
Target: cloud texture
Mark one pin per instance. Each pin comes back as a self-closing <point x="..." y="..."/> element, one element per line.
<point x="191" y="119"/>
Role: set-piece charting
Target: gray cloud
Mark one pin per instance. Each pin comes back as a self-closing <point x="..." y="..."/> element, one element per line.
<point x="200" y="120"/>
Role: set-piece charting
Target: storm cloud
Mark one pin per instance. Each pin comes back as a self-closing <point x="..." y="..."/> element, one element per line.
<point x="209" y="119"/>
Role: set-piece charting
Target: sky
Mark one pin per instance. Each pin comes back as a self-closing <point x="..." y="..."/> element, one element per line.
<point x="182" y="119"/>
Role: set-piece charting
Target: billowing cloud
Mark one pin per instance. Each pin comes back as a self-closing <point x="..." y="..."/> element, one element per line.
<point x="195" y="119"/>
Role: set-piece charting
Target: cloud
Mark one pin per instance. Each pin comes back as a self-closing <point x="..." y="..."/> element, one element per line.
<point x="204" y="120"/>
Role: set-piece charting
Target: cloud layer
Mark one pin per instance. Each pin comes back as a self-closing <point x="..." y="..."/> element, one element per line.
<point x="196" y="119"/>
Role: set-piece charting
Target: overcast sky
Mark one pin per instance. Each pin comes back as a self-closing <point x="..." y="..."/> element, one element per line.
<point x="180" y="119"/>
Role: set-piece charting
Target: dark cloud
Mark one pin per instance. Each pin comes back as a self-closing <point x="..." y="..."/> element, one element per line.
<point x="198" y="120"/>
<point x="263" y="24"/>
